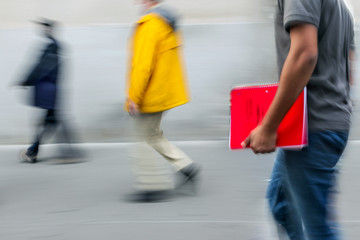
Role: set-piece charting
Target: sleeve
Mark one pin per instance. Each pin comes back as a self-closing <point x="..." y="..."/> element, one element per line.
<point x="32" y="77"/>
<point x="142" y="63"/>
<point x="301" y="11"/>
<point x="46" y="64"/>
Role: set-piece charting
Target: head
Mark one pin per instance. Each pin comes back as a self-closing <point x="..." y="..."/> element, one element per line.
<point x="147" y="4"/>
<point x="47" y="27"/>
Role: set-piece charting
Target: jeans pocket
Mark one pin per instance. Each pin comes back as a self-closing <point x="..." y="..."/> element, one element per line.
<point x="334" y="141"/>
<point x="326" y="148"/>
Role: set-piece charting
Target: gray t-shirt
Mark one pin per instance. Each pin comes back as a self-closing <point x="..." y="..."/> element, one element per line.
<point x="329" y="105"/>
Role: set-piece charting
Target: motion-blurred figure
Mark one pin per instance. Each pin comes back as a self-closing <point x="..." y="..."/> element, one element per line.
<point x="156" y="84"/>
<point x="44" y="78"/>
<point x="315" y="43"/>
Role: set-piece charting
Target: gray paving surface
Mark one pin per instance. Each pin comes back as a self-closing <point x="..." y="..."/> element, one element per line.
<point x="85" y="200"/>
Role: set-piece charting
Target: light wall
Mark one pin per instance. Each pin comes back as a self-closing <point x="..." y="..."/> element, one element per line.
<point x="17" y="13"/>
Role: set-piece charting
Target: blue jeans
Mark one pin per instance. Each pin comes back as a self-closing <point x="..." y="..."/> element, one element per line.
<point x="301" y="185"/>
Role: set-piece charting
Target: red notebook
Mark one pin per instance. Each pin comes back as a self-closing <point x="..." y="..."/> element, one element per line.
<point x="249" y="105"/>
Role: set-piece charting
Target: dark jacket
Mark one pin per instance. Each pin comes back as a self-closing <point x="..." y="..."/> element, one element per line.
<point x="44" y="77"/>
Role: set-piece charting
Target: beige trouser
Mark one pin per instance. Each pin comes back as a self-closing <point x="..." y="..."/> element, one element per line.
<point x="152" y="172"/>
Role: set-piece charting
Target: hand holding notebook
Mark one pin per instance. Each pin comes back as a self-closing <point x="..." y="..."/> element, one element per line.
<point x="249" y="105"/>
<point x="261" y="140"/>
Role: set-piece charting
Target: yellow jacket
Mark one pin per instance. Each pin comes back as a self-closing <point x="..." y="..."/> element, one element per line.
<point x="156" y="80"/>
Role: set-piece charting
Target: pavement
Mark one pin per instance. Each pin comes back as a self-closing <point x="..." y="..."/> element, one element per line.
<point x="85" y="198"/>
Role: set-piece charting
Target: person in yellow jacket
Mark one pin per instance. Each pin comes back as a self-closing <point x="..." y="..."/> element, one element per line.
<point x="156" y="83"/>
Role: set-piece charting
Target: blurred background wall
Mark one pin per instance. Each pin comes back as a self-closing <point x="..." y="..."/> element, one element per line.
<point x="84" y="12"/>
<point x="227" y="42"/>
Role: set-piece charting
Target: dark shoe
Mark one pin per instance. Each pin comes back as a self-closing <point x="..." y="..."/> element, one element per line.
<point x="31" y="153"/>
<point x="149" y="196"/>
<point x="190" y="174"/>
<point x="30" y="156"/>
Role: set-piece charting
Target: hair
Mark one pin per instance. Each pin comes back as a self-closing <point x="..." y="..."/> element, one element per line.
<point x="46" y="23"/>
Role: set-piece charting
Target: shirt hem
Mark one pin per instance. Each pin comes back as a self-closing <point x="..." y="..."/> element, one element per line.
<point x="291" y="20"/>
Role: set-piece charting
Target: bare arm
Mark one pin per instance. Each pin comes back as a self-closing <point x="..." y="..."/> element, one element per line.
<point x="296" y="73"/>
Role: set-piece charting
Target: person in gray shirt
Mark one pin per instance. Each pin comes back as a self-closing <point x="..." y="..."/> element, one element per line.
<point x="314" y="42"/>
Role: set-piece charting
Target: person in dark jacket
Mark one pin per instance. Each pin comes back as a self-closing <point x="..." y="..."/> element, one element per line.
<point x="44" y="77"/>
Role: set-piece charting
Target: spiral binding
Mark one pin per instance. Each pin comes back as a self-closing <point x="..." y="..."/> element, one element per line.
<point x="255" y="85"/>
